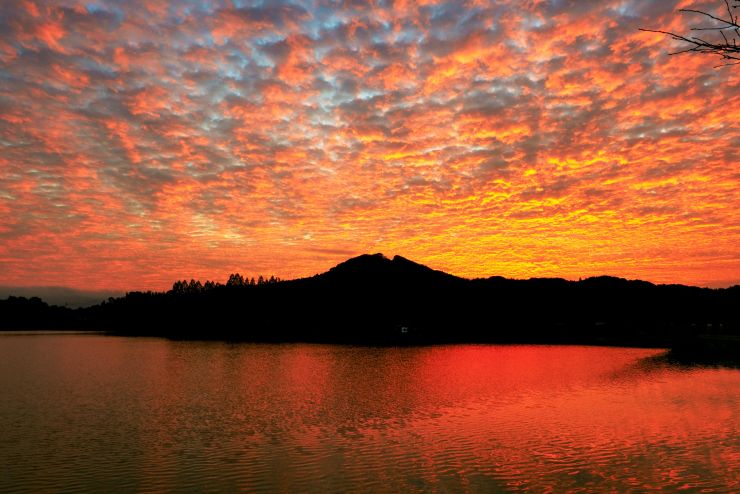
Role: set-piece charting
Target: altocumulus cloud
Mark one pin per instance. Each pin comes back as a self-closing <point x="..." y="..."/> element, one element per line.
<point x="142" y="141"/>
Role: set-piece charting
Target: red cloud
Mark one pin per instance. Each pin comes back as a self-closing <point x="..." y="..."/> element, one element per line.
<point x="141" y="144"/>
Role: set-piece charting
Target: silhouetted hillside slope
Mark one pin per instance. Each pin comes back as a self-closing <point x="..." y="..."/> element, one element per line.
<point x="378" y="269"/>
<point x="34" y="313"/>
<point x="373" y="299"/>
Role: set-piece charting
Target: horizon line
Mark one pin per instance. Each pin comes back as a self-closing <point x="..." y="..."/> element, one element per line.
<point x="116" y="292"/>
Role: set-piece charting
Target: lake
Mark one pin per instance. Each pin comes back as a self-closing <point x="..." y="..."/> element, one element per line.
<point x="89" y="412"/>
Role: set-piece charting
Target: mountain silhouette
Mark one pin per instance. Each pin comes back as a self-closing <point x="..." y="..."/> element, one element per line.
<point x="63" y="296"/>
<point x="374" y="299"/>
<point x="378" y="270"/>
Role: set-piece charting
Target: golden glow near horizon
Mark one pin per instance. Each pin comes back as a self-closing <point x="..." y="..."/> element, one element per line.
<point x="142" y="143"/>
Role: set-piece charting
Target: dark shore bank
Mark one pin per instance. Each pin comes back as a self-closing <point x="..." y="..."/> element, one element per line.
<point x="371" y="299"/>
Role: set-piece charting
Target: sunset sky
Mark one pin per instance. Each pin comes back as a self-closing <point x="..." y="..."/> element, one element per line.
<point x="141" y="143"/>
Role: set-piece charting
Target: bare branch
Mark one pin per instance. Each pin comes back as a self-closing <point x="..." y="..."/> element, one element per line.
<point x="726" y="48"/>
<point x="730" y="22"/>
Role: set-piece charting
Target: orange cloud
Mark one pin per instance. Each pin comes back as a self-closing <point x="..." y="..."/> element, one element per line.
<point x="141" y="144"/>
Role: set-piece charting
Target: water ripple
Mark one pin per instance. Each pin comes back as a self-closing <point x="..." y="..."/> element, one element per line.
<point x="95" y="413"/>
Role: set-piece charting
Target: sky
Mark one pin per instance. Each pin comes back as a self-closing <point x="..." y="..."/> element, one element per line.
<point x="141" y="142"/>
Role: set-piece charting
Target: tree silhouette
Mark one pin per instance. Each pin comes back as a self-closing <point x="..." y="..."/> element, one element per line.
<point x="194" y="286"/>
<point x="179" y="287"/>
<point x="235" y="280"/>
<point x="725" y="45"/>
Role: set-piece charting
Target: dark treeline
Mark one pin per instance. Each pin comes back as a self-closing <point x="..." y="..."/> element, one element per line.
<point x="34" y="313"/>
<point x="235" y="280"/>
<point x="373" y="299"/>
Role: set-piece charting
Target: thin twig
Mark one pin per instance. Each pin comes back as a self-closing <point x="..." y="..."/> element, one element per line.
<point x="731" y="23"/>
<point x="727" y="48"/>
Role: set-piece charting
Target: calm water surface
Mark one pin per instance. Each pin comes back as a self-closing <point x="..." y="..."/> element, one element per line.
<point x="100" y="413"/>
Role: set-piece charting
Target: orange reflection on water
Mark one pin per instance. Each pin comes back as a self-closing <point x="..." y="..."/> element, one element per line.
<point x="95" y="411"/>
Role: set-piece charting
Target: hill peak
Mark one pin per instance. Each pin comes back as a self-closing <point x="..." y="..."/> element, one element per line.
<point x="377" y="267"/>
<point x="361" y="263"/>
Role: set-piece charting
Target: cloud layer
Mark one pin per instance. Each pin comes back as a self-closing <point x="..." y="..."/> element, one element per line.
<point x="141" y="143"/>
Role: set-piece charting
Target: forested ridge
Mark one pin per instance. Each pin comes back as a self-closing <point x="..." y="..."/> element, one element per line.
<point x="373" y="299"/>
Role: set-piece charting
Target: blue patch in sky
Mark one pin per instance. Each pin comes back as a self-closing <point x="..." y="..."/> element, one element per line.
<point x="93" y="8"/>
